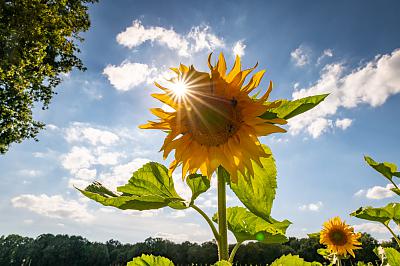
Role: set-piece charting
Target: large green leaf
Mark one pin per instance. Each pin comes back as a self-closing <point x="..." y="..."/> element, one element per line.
<point x="150" y="187"/>
<point x="388" y="256"/>
<point x="247" y="226"/>
<point x="198" y="184"/>
<point x="392" y="256"/>
<point x="257" y="193"/>
<point x="388" y="170"/>
<point x="383" y="215"/>
<point x="288" y="109"/>
<point x="293" y="260"/>
<point x="150" y="260"/>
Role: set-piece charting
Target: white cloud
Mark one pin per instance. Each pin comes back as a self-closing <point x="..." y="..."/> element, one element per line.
<point x="343" y="123"/>
<point x="311" y="207"/>
<point x="128" y="75"/>
<point x="359" y="193"/>
<point x="108" y="158"/>
<point x="28" y="221"/>
<point x="239" y="47"/>
<point x="177" y="238"/>
<point x="301" y="56"/>
<point x="378" y="192"/>
<point x="370" y="84"/>
<point x="199" y="38"/>
<point x="30" y="172"/>
<point x="370" y="228"/>
<point x="319" y="126"/>
<point x="53" y="206"/>
<point x="86" y="174"/>
<point x="51" y="127"/>
<point x="325" y="53"/>
<point x="77" y="158"/>
<point x="181" y="187"/>
<point x="79" y="132"/>
<point x="120" y="174"/>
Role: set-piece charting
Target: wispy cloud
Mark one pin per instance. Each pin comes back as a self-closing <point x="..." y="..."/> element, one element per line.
<point x="301" y="56"/>
<point x="238" y="48"/>
<point x="370" y="84"/>
<point x="370" y="228"/>
<point x="197" y="39"/>
<point x="326" y="53"/>
<point x="311" y="206"/>
<point x="343" y="123"/>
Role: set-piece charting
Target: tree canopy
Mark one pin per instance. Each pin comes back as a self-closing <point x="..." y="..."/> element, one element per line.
<point x="61" y="250"/>
<point x="38" y="43"/>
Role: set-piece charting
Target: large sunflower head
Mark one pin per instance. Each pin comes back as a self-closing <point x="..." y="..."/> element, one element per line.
<point x="339" y="237"/>
<point x="214" y="120"/>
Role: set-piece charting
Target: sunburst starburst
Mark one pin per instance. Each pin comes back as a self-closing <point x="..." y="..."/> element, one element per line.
<point x="215" y="121"/>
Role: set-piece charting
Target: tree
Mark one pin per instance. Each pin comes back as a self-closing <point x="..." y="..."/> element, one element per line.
<point x="38" y="43"/>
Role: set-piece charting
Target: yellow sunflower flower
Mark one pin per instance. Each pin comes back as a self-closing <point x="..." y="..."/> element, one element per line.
<point x="214" y="119"/>
<point x="339" y="237"/>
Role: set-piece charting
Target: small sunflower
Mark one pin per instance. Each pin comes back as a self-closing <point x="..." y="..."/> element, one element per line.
<point x="214" y="121"/>
<point x="339" y="237"/>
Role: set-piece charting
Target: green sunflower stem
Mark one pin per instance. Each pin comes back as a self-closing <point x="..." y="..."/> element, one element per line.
<point x="223" y="249"/>
<point x="208" y="220"/>
<point x="233" y="252"/>
<point x="393" y="234"/>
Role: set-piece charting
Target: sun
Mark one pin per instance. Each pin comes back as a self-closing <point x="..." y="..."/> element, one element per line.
<point x="179" y="88"/>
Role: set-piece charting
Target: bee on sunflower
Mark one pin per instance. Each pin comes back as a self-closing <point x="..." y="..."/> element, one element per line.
<point x="339" y="238"/>
<point x="215" y="121"/>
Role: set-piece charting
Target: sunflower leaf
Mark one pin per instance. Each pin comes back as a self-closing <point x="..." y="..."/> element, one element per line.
<point x="247" y="226"/>
<point x="146" y="260"/>
<point x="293" y="260"/>
<point x="258" y="192"/>
<point x="386" y="169"/>
<point x="198" y="184"/>
<point x="150" y="187"/>
<point x="288" y="109"/>
<point x="396" y="190"/>
<point x="393" y="256"/>
<point x="383" y="215"/>
<point x="388" y="256"/>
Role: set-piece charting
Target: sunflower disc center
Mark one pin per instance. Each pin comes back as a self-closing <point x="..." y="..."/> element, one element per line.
<point x="339" y="238"/>
<point x="212" y="121"/>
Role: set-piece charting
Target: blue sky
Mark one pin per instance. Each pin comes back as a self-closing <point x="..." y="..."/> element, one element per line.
<point x="349" y="49"/>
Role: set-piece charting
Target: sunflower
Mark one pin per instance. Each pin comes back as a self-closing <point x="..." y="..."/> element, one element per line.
<point x="339" y="237"/>
<point x="214" y="121"/>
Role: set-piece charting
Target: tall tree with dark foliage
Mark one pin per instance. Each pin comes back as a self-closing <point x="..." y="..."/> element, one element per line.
<point x="38" y="43"/>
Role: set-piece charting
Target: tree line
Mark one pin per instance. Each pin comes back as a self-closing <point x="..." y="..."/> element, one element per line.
<point x="48" y="249"/>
